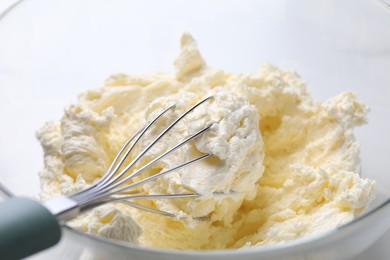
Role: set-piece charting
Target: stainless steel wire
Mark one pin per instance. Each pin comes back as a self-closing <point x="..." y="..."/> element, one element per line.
<point x="114" y="186"/>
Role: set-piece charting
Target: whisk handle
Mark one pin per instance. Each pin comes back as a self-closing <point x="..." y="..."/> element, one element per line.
<point x="26" y="227"/>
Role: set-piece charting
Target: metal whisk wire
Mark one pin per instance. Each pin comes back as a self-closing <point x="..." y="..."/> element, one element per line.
<point x="103" y="190"/>
<point x="42" y="219"/>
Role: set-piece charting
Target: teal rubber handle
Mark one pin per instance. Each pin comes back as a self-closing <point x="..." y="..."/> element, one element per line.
<point x="26" y="227"/>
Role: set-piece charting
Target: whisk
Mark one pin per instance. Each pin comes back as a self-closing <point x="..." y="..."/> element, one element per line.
<point x="24" y="220"/>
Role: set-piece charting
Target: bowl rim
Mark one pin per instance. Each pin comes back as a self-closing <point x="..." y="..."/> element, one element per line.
<point x="247" y="250"/>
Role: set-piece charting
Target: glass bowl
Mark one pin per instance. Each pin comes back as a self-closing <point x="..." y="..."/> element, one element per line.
<point x="52" y="50"/>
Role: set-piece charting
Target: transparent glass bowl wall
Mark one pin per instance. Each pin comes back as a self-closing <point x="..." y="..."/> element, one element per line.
<point x="50" y="51"/>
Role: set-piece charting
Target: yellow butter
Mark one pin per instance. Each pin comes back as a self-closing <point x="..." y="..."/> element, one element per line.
<point x="291" y="160"/>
